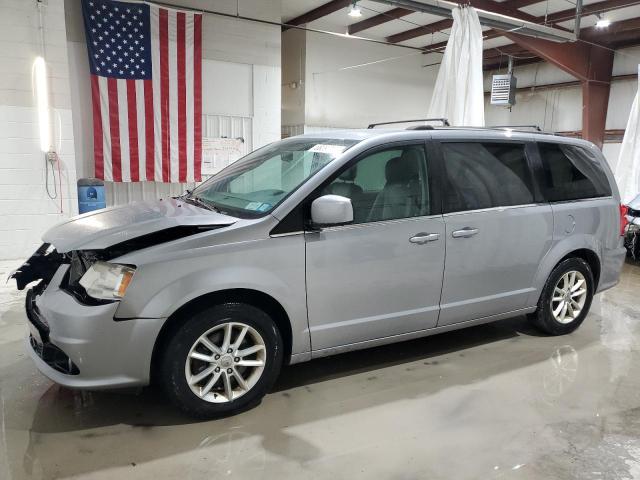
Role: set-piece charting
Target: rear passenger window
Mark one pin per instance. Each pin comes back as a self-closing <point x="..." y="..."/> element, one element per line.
<point x="485" y="175"/>
<point x="572" y="173"/>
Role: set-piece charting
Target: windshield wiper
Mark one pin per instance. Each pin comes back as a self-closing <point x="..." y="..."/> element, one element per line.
<point x="189" y="197"/>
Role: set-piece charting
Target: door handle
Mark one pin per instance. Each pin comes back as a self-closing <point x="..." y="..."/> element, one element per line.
<point x="466" y="232"/>
<point x="422" y="238"/>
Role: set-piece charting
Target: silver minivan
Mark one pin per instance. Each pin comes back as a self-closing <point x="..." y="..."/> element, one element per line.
<point x="320" y="244"/>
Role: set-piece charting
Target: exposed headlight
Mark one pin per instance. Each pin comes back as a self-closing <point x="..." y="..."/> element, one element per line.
<point x="107" y="281"/>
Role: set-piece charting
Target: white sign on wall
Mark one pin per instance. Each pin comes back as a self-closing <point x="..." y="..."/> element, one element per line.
<point x="217" y="153"/>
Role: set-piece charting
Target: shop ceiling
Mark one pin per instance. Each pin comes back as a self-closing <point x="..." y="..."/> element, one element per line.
<point x="408" y="23"/>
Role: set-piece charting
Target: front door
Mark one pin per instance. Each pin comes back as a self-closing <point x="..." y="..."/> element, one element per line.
<point x="497" y="231"/>
<point x="381" y="275"/>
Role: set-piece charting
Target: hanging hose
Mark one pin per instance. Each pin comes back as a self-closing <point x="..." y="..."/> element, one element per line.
<point x="50" y="158"/>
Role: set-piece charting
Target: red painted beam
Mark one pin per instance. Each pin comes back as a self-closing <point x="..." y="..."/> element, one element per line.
<point x="591" y="64"/>
<point x="624" y="39"/>
<point x="321" y="11"/>
<point x="435" y="47"/>
<point x="376" y="20"/>
<point x="492" y="60"/>
<point x="522" y="3"/>
<point x="603" y="34"/>
<point x="512" y="49"/>
<point x="402" y="12"/>
<point x="504" y="8"/>
<point x="595" y="95"/>
<point x="572" y="58"/>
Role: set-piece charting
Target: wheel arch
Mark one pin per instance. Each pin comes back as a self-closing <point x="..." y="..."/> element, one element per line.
<point x="586" y="249"/>
<point x="592" y="260"/>
<point x="256" y="298"/>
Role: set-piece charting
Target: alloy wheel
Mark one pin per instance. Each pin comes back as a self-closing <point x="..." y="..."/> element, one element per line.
<point x="225" y="362"/>
<point x="569" y="296"/>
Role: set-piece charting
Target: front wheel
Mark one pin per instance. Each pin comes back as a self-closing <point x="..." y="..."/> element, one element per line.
<point x="222" y="360"/>
<point x="566" y="298"/>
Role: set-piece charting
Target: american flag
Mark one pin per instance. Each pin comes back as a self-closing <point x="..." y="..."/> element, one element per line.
<point x="146" y="87"/>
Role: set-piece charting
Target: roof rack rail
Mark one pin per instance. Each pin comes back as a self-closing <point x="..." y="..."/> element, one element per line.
<point x="517" y="127"/>
<point x="444" y="121"/>
<point x="421" y="127"/>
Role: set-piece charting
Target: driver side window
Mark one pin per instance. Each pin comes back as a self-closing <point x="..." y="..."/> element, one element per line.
<point x="386" y="185"/>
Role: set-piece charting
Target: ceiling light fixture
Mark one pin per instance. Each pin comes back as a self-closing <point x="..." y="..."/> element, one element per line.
<point x="354" y="10"/>
<point x="602" y="22"/>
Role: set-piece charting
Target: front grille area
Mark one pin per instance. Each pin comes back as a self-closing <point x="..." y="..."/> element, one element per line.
<point x="54" y="357"/>
<point x="33" y="314"/>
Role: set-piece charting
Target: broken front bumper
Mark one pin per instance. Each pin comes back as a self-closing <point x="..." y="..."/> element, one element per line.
<point x="82" y="346"/>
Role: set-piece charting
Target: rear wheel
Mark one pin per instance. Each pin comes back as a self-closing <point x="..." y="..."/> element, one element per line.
<point x="222" y="361"/>
<point x="566" y="298"/>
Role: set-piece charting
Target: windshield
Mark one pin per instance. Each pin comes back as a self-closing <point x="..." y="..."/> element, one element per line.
<point x="255" y="184"/>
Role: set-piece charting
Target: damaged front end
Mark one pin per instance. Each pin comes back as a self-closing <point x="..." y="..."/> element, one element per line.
<point x="40" y="266"/>
<point x="45" y="262"/>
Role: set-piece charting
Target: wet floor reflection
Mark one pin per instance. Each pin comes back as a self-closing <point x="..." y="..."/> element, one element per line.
<point x="495" y="401"/>
<point x="562" y="371"/>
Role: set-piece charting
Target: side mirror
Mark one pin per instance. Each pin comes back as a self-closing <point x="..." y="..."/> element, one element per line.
<point x="330" y="210"/>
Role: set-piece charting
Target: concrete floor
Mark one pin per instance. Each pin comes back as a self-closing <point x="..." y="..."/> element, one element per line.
<point x="495" y="401"/>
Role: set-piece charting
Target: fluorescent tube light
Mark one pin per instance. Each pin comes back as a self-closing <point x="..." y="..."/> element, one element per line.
<point x="42" y="102"/>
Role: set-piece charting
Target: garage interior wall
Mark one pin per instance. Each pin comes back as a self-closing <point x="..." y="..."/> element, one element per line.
<point x="560" y="109"/>
<point x="332" y="82"/>
<point x="241" y="93"/>
<point x="241" y="80"/>
<point x="345" y="83"/>
<point x="326" y="82"/>
<point x="26" y="210"/>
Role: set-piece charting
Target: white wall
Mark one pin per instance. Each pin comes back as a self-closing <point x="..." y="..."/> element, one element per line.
<point x="241" y="78"/>
<point x="26" y="210"/>
<point x="560" y="109"/>
<point x="351" y="83"/>
<point x="390" y="83"/>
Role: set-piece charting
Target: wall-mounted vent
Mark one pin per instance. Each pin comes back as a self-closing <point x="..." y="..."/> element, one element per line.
<point x="503" y="90"/>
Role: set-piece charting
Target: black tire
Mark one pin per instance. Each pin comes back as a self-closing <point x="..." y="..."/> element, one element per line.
<point x="543" y="317"/>
<point x="172" y="367"/>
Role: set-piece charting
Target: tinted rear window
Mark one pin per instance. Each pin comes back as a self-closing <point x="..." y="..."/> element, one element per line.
<point x="485" y="175"/>
<point x="572" y="173"/>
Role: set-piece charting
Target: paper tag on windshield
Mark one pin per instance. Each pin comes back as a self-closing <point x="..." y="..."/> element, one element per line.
<point x="253" y="205"/>
<point x="331" y="150"/>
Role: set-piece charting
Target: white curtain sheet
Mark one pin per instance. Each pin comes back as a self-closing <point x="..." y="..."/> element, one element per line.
<point x="627" y="169"/>
<point x="459" y="91"/>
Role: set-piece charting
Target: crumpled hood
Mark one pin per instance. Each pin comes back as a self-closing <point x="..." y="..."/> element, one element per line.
<point x="111" y="226"/>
